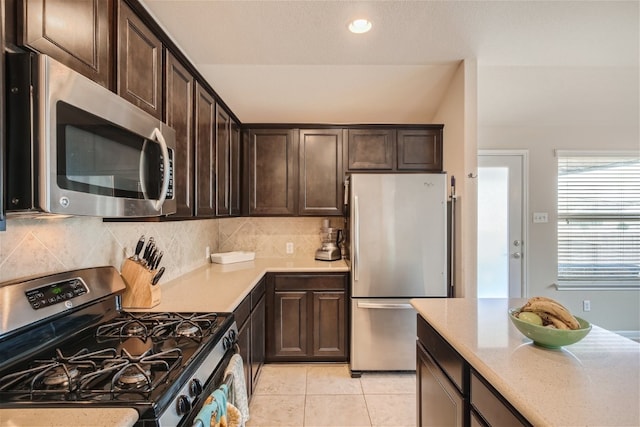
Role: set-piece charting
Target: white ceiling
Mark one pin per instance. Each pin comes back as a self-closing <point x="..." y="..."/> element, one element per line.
<point x="295" y="61"/>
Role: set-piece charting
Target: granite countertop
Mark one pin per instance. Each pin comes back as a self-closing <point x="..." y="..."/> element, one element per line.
<point x="593" y="382"/>
<point x="68" y="417"/>
<point x="211" y="288"/>
<point x="222" y="287"/>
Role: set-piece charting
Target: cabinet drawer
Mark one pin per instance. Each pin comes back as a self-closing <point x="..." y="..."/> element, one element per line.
<point x="310" y="282"/>
<point x="257" y="292"/>
<point x="491" y="406"/>
<point x="241" y="313"/>
<point x="445" y="356"/>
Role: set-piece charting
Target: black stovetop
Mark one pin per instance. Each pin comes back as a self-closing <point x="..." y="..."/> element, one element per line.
<point x="132" y="359"/>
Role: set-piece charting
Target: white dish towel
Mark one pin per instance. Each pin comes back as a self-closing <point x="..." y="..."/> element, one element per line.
<point x="240" y="398"/>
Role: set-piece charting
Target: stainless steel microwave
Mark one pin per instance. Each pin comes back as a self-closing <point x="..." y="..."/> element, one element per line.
<point x="76" y="148"/>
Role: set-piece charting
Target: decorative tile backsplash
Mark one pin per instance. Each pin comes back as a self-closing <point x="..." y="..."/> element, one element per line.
<point x="44" y="245"/>
<point x="268" y="237"/>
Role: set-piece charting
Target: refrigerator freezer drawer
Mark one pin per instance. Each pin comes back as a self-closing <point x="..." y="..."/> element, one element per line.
<point x="383" y="335"/>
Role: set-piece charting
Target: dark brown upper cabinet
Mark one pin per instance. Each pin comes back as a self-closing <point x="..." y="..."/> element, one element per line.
<point x="271" y="160"/>
<point x="179" y="115"/>
<point x="139" y="62"/>
<point x="320" y="172"/>
<point x="394" y="148"/>
<point x="235" y="171"/>
<point x="370" y="149"/>
<point x="223" y="162"/>
<point x="420" y="149"/>
<point x="75" y="33"/>
<point x="205" y="133"/>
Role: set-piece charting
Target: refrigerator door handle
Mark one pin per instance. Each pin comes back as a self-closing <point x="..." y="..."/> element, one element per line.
<point x="356" y="237"/>
<point x="393" y="306"/>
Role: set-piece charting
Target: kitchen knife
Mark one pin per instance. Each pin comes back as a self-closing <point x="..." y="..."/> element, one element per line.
<point x="152" y="258"/>
<point x="157" y="261"/>
<point x="148" y="250"/>
<point x="157" y="276"/>
<point x="139" y="245"/>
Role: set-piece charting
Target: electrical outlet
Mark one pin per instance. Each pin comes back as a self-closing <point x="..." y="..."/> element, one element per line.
<point x="289" y="248"/>
<point x="540" y="217"/>
<point x="586" y="305"/>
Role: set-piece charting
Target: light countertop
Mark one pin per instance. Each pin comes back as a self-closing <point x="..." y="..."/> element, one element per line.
<point x="68" y="417"/>
<point x="221" y="287"/>
<point x="594" y="382"/>
<point x="211" y="288"/>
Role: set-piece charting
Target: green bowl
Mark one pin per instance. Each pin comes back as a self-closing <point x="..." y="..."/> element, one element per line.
<point x="549" y="337"/>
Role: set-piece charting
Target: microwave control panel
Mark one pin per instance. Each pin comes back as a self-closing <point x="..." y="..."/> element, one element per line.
<point x="55" y="293"/>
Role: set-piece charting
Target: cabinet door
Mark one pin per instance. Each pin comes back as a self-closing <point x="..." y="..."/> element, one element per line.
<point x="420" y="149"/>
<point x="205" y="152"/>
<point x="272" y="162"/>
<point x="321" y="174"/>
<point x="235" y="172"/>
<point x="258" y="331"/>
<point x="244" y="344"/>
<point x="139" y="62"/>
<point x="329" y="325"/>
<point x="179" y="111"/>
<point x="76" y="33"/>
<point x="223" y="160"/>
<point x="439" y="403"/>
<point x="290" y="324"/>
<point x="370" y="149"/>
<point x="491" y="406"/>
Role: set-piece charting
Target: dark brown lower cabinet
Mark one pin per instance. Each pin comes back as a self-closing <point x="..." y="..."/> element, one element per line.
<point x="250" y="318"/>
<point x="307" y="317"/>
<point x="450" y="392"/>
<point x="439" y="402"/>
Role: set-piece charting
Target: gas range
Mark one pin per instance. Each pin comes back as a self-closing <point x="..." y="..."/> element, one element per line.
<point x="64" y="341"/>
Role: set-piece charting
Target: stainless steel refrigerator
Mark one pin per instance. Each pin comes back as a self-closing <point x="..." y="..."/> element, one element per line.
<point x="398" y="250"/>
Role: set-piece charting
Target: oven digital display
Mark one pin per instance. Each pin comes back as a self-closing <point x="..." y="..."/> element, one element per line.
<point x="55" y="293"/>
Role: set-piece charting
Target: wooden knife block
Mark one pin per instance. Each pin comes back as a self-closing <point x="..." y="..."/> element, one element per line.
<point x="139" y="293"/>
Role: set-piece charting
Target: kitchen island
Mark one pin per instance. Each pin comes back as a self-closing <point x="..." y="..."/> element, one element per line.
<point x="593" y="382"/>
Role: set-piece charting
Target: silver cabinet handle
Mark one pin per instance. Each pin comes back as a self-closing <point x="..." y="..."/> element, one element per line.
<point x="383" y="305"/>
<point x="356" y="237"/>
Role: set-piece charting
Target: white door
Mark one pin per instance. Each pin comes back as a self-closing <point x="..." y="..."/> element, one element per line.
<point x="501" y="226"/>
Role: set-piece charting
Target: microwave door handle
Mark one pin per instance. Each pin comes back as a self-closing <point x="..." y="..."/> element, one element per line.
<point x="157" y="135"/>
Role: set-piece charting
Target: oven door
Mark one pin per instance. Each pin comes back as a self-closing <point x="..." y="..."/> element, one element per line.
<point x="215" y="381"/>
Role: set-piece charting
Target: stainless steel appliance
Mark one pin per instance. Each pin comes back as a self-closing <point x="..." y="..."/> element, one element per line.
<point x="64" y="342"/>
<point x="398" y="238"/>
<point x="330" y="249"/>
<point x="76" y="148"/>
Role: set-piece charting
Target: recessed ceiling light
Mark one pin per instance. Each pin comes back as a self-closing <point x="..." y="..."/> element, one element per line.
<point x="359" y="26"/>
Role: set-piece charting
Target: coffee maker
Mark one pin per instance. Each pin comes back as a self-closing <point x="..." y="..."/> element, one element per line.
<point x="330" y="239"/>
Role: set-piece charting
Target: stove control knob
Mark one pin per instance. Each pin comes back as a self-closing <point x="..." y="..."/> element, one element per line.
<point x="195" y="387"/>
<point x="183" y="405"/>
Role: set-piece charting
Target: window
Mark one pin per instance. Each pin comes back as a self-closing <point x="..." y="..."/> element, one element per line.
<point x="598" y="220"/>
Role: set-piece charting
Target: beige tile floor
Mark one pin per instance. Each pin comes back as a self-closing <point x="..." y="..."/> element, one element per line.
<point x="326" y="395"/>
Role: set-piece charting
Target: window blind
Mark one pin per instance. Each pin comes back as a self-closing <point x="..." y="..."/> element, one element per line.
<point x="599" y="219"/>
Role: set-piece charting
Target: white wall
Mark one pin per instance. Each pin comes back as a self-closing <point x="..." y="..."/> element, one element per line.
<point x="561" y="108"/>
<point x="458" y="113"/>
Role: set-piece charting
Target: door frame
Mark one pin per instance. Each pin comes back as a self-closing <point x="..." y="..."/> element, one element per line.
<point x="524" y="155"/>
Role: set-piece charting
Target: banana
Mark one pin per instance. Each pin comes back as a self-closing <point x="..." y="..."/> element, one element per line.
<point x="547" y="299"/>
<point x="552" y="307"/>
<point x="550" y="319"/>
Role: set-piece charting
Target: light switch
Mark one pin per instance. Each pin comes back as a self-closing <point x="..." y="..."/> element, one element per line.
<point x="539" y="217"/>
